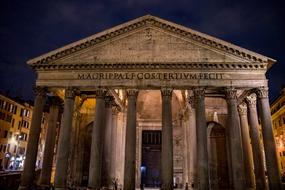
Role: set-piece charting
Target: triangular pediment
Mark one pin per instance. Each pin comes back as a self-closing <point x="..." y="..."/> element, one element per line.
<point x="149" y="39"/>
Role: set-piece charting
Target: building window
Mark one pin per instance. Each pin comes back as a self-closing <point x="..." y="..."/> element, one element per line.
<point x="15" y="148"/>
<point x="4" y="148"/>
<point x="13" y="122"/>
<point x="15" y="109"/>
<point x="5" y="134"/>
<point x="19" y="124"/>
<point x="8" y="148"/>
<point x="2" y="115"/>
<point x="9" y="118"/>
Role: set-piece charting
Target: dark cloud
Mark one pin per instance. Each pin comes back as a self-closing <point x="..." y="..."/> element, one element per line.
<point x="30" y="28"/>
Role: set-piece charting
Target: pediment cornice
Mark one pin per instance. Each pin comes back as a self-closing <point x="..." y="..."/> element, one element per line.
<point x="153" y="66"/>
<point x="151" y="21"/>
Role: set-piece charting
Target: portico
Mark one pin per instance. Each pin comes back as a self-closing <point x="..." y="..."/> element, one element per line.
<point x="151" y="74"/>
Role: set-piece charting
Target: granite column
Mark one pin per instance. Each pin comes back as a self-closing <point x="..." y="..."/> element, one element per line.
<point x="94" y="181"/>
<point x="130" y="144"/>
<point x="50" y="142"/>
<point x="64" y="141"/>
<point x="167" y="141"/>
<point x="268" y="140"/>
<point x="32" y="147"/>
<point x="247" y="150"/>
<point x="259" y="172"/>
<point x="235" y="140"/>
<point x="201" y="131"/>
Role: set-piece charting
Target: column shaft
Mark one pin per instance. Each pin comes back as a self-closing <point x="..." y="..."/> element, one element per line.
<point x="94" y="181"/>
<point x="130" y="146"/>
<point x="235" y="141"/>
<point x="268" y="140"/>
<point x="32" y="146"/>
<point x="185" y="150"/>
<point x="64" y="141"/>
<point x="247" y="150"/>
<point x="49" y="144"/>
<point x="106" y="161"/>
<point x="167" y="141"/>
<point x="260" y="180"/>
<point x="114" y="142"/>
<point x="192" y="134"/>
<point x="201" y="131"/>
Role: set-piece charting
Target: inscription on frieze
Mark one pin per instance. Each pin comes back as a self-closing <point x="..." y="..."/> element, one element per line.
<point x="149" y="76"/>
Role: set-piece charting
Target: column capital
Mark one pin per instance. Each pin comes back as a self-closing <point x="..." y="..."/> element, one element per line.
<point x="55" y="100"/>
<point x="115" y="110"/>
<point x="70" y="92"/>
<point x="262" y="92"/>
<point x="251" y="100"/>
<point x="191" y="102"/>
<point x="40" y="91"/>
<point x="231" y="93"/>
<point x="132" y="92"/>
<point x="100" y="92"/>
<point x="199" y="92"/>
<point x="242" y="109"/>
<point x="166" y="91"/>
<point x="109" y="101"/>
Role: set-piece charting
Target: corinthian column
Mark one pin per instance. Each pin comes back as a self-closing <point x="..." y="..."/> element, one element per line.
<point x="201" y="131"/>
<point x="32" y="147"/>
<point x="167" y="142"/>
<point x="130" y="147"/>
<point x="107" y="149"/>
<point x="258" y="160"/>
<point x="50" y="142"/>
<point x="234" y="133"/>
<point x="64" y="141"/>
<point x="94" y="181"/>
<point x="247" y="152"/>
<point x="192" y="136"/>
<point x="268" y="140"/>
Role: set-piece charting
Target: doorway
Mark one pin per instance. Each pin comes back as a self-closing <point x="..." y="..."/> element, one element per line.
<point x="218" y="163"/>
<point x="151" y="155"/>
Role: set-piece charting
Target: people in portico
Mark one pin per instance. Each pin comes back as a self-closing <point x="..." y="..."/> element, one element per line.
<point x="187" y="100"/>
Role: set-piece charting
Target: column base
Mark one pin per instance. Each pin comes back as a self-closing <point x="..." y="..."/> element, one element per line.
<point x="23" y="188"/>
<point x="44" y="187"/>
<point x="92" y="188"/>
<point x="60" y="188"/>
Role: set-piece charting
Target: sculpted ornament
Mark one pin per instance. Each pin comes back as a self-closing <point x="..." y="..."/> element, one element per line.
<point x="100" y="93"/>
<point x="191" y="102"/>
<point x="251" y="100"/>
<point x="199" y="93"/>
<point x="70" y="93"/>
<point x="231" y="93"/>
<point x="109" y="101"/>
<point x="262" y="92"/>
<point x="132" y="92"/>
<point x="40" y="91"/>
<point x="166" y="92"/>
<point x="242" y="109"/>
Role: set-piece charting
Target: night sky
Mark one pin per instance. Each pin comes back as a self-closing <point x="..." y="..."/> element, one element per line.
<point x="31" y="28"/>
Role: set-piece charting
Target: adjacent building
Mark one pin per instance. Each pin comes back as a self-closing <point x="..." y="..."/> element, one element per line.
<point x="278" y="121"/>
<point x="15" y="122"/>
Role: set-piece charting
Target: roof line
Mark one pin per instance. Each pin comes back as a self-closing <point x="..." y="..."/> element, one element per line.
<point x="149" y="20"/>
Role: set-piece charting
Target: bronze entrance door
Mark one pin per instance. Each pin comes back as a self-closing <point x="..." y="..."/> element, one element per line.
<point x="151" y="155"/>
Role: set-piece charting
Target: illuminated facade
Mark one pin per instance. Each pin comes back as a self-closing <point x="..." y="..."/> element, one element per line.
<point x="15" y="122"/>
<point x="278" y="121"/>
<point x="153" y="103"/>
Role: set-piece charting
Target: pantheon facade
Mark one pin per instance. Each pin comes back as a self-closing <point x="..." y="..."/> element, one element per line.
<point x="150" y="103"/>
